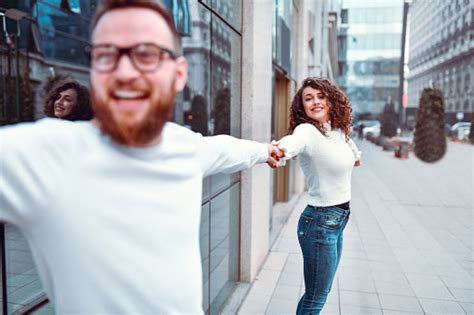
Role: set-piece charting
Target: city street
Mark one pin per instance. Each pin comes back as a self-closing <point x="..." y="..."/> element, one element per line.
<point x="408" y="247"/>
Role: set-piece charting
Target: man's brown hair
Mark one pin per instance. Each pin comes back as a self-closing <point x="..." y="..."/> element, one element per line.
<point x="155" y="5"/>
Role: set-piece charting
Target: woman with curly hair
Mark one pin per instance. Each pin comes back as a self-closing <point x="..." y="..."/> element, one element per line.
<point x="319" y="130"/>
<point x="68" y="100"/>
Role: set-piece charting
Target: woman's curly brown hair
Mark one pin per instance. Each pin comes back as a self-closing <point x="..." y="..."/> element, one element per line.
<point x="81" y="111"/>
<point x="339" y="112"/>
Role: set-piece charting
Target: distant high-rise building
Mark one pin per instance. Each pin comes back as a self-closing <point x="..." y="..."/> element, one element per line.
<point x="441" y="54"/>
<point x="369" y="44"/>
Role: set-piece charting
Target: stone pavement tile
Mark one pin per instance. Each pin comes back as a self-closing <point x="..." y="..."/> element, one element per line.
<point x="362" y="284"/>
<point x="254" y="304"/>
<point x="333" y="297"/>
<point x="288" y="245"/>
<point x="390" y="312"/>
<point x="429" y="287"/>
<point x="467" y="264"/>
<point x="400" y="303"/>
<point x="361" y="299"/>
<point x="381" y="256"/>
<point x="389" y="276"/>
<point x="286" y="292"/>
<point x="431" y="306"/>
<point x="295" y="258"/>
<point x="275" y="261"/>
<point x="422" y="269"/>
<point x="293" y="267"/>
<point x="330" y="309"/>
<point x="356" y="254"/>
<point x="356" y="264"/>
<point x="290" y="278"/>
<point x="358" y="310"/>
<point x="394" y="287"/>
<point x="278" y="306"/>
<point x="458" y="281"/>
<point x="268" y="277"/>
<point x="451" y="270"/>
<point x="463" y="295"/>
<point x="435" y="259"/>
<point x="344" y="271"/>
<point x="468" y="307"/>
<point x="390" y="266"/>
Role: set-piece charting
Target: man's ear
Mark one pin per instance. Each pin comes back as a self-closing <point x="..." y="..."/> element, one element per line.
<point x="181" y="73"/>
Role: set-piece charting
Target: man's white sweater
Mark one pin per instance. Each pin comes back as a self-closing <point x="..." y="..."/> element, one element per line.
<point x="114" y="229"/>
<point x="326" y="162"/>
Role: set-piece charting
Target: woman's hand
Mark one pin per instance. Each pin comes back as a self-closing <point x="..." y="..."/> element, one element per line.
<point x="274" y="155"/>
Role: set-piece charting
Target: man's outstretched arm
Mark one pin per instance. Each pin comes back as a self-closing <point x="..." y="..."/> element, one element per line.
<point x="226" y="154"/>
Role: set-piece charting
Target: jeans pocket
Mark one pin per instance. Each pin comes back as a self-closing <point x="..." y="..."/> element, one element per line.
<point x="331" y="221"/>
<point x="303" y="226"/>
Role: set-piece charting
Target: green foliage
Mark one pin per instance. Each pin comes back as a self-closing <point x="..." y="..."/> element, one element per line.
<point x="430" y="140"/>
<point x="389" y="121"/>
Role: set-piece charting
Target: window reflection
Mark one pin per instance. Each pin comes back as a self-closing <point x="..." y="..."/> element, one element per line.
<point x="224" y="245"/>
<point x="64" y="28"/>
<point x="205" y="246"/>
<point x="225" y="91"/>
<point x="23" y="283"/>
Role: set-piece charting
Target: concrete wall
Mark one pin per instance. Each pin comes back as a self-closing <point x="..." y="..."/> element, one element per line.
<point x="256" y="194"/>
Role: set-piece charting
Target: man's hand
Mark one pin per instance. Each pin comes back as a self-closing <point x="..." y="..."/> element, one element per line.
<point x="274" y="155"/>
<point x="357" y="163"/>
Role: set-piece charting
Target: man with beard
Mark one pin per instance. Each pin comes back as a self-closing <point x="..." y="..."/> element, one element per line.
<point x="111" y="209"/>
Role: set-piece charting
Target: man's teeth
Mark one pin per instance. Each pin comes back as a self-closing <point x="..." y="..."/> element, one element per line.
<point x="128" y="94"/>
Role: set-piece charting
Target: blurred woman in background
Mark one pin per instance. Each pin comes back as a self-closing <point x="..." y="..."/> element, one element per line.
<point x="68" y="100"/>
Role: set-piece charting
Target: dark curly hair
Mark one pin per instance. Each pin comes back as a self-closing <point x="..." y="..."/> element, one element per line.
<point x="81" y="111"/>
<point x="340" y="107"/>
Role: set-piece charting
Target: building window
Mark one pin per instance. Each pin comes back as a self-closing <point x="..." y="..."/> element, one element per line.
<point x="467" y="83"/>
<point x="344" y="16"/>
<point x="466" y="105"/>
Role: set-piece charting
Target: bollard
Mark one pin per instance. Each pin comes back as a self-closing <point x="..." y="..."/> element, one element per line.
<point x="403" y="149"/>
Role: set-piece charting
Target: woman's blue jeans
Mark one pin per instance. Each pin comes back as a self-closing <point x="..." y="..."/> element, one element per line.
<point x="320" y="236"/>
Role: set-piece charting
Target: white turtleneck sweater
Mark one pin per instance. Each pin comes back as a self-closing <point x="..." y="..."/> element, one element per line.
<point x="326" y="161"/>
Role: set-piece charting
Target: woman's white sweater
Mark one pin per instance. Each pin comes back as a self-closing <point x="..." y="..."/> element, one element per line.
<point x="326" y="161"/>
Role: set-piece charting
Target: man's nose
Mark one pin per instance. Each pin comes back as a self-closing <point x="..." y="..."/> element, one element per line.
<point x="125" y="69"/>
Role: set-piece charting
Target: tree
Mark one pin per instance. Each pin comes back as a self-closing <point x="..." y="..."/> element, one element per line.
<point x="389" y="121"/>
<point x="430" y="141"/>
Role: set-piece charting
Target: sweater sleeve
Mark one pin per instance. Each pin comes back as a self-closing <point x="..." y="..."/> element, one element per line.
<point x="30" y="166"/>
<point x="355" y="150"/>
<point x="226" y="154"/>
<point x="297" y="142"/>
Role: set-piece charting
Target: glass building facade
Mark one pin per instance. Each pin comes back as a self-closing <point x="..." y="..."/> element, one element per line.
<point x="211" y="32"/>
<point x="369" y="44"/>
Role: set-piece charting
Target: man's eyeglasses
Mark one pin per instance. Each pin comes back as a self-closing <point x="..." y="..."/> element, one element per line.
<point x="146" y="57"/>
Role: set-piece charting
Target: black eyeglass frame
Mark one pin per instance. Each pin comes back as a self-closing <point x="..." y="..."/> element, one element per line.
<point x="127" y="51"/>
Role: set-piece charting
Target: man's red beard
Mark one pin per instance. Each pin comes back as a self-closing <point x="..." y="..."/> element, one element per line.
<point x="128" y="131"/>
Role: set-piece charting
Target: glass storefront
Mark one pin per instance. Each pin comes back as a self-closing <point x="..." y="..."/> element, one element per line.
<point x="210" y="104"/>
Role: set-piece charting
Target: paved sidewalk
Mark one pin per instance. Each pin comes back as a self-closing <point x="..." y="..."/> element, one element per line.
<point x="408" y="247"/>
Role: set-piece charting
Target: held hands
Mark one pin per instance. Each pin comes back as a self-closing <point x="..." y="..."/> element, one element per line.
<point x="274" y="155"/>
